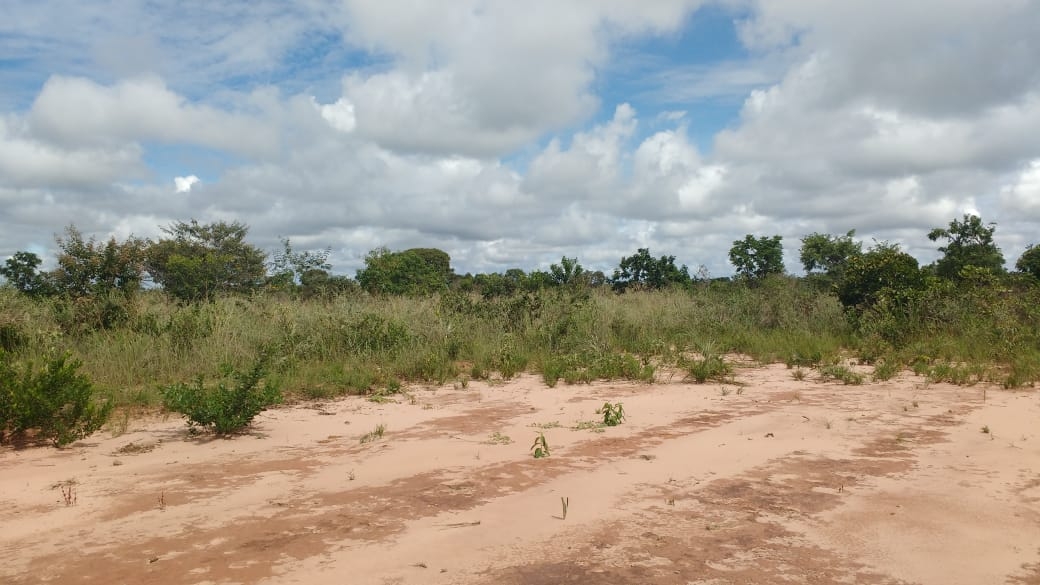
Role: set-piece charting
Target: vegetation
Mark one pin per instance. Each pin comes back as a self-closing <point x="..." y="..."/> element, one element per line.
<point x="409" y="318"/>
<point x="613" y="414"/>
<point x="540" y="448"/>
<point x="756" y="258"/>
<point x="225" y="408"/>
<point x="55" y="401"/>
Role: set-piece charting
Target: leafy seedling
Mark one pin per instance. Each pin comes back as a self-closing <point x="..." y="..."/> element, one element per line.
<point x="613" y="414"/>
<point x="540" y="446"/>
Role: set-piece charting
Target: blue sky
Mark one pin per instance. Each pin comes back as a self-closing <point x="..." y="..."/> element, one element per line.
<point x="510" y="134"/>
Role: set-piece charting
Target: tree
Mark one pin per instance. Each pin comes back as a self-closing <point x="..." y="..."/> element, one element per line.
<point x="88" y="268"/>
<point x="884" y="268"/>
<point x="295" y="267"/>
<point x="1029" y="261"/>
<point x="829" y="254"/>
<point x="416" y="271"/>
<point x="969" y="243"/>
<point x="567" y="273"/>
<point x="198" y="261"/>
<point x="642" y="270"/>
<point x="756" y="258"/>
<point x="21" y="271"/>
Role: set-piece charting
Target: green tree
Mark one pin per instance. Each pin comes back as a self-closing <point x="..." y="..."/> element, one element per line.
<point x="757" y="257"/>
<point x="829" y="254"/>
<point x="884" y="268"/>
<point x="21" y="271"/>
<point x="89" y="268"/>
<point x="1029" y="261"/>
<point x="969" y="243"/>
<point x="416" y="271"/>
<point x="641" y="270"/>
<point x="198" y="261"/>
<point x="568" y="273"/>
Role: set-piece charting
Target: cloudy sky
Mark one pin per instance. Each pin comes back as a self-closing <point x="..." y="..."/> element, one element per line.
<point x="512" y="133"/>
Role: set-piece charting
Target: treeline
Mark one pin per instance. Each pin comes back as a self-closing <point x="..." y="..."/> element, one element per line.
<point x="196" y="262"/>
<point x="139" y="323"/>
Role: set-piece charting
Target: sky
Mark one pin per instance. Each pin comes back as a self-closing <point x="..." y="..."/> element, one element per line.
<point x="510" y="134"/>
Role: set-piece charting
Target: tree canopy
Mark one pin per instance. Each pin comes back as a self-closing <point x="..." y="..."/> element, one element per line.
<point x="641" y="270"/>
<point x="197" y="261"/>
<point x="414" y="272"/>
<point x="969" y="243"/>
<point x="757" y="257"/>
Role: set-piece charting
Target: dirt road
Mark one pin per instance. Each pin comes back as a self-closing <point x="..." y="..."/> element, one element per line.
<point x="770" y="481"/>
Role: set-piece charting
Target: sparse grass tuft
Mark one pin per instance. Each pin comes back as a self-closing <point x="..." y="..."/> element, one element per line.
<point x="374" y="434"/>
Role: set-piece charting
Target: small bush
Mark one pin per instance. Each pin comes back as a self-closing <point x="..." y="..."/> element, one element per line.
<point x="885" y="370"/>
<point x="55" y="401"/>
<point x="710" y="366"/>
<point x="613" y="414"/>
<point x="843" y="374"/>
<point x="226" y="409"/>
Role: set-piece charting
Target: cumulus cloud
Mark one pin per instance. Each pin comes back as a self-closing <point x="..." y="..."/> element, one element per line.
<point x="79" y="112"/>
<point x="184" y="184"/>
<point x="488" y="127"/>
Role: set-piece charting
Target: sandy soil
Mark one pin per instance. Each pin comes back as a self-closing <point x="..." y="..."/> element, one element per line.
<point x="770" y="481"/>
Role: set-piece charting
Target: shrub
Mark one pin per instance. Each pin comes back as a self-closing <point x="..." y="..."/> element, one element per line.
<point x="55" y="401"/>
<point x="227" y="409"/>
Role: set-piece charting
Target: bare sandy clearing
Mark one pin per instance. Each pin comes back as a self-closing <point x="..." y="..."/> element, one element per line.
<point x="772" y="481"/>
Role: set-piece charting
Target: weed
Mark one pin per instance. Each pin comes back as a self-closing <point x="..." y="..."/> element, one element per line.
<point x="885" y="370"/>
<point x="710" y="366"/>
<point x="798" y="374"/>
<point x="589" y="425"/>
<point x="68" y="494"/>
<point x="844" y="374"/>
<point x="547" y="425"/>
<point x="985" y="429"/>
<point x="613" y="414"/>
<point x="540" y="446"/>
<point x="724" y="391"/>
<point x="162" y="500"/>
<point x="497" y="438"/>
<point x="374" y="434"/>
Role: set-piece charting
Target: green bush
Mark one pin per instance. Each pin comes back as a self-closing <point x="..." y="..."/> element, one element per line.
<point x="227" y="409"/>
<point x="54" y="401"/>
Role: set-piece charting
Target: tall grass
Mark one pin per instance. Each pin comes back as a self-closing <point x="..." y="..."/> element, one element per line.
<point x="360" y="343"/>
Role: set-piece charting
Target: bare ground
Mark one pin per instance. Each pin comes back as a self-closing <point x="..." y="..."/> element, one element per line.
<point x="769" y="481"/>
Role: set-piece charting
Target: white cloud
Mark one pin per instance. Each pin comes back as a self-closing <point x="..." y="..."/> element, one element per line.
<point x="466" y="125"/>
<point x="79" y="112"/>
<point x="184" y="184"/>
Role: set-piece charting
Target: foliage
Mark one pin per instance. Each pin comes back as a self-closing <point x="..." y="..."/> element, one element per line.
<point x="1029" y="261"/>
<point x="55" y="401"/>
<point x="642" y="271"/>
<point x="303" y="269"/>
<point x="540" y="446"/>
<point x="21" y="272"/>
<point x="756" y="258"/>
<point x="88" y="268"/>
<point x="710" y="365"/>
<point x="227" y="409"/>
<point x="568" y="273"/>
<point x="419" y="271"/>
<point x="884" y="270"/>
<point x="969" y="243"/>
<point x="199" y="261"/>
<point x="613" y="414"/>
<point x="829" y="254"/>
<point x="842" y="373"/>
